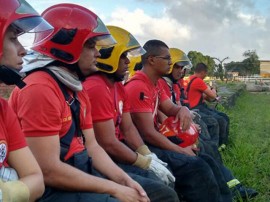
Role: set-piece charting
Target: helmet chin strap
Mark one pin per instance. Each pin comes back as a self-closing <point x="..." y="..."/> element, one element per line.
<point x="10" y="76"/>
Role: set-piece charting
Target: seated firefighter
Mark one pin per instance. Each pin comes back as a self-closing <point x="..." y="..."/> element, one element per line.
<point x="197" y="91"/>
<point x="114" y="129"/>
<point x="206" y="144"/>
<point x="20" y="175"/>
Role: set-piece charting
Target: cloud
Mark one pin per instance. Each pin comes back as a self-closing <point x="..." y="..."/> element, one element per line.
<point x="217" y="28"/>
<point x="146" y="27"/>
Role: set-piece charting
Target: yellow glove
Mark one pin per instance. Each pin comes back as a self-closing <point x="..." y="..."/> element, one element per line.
<point x="142" y="161"/>
<point x="14" y="191"/>
<point x="143" y="150"/>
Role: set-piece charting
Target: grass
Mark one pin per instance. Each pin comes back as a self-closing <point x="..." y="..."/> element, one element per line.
<point x="248" y="152"/>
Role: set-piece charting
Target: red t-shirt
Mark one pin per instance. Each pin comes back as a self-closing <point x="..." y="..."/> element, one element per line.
<point x="43" y="111"/>
<point x="11" y="136"/>
<point x="167" y="89"/>
<point x="109" y="100"/>
<point x="143" y="94"/>
<point x="196" y="90"/>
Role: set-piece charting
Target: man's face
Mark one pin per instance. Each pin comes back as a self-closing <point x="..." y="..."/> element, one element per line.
<point x="121" y="72"/>
<point x="88" y="58"/>
<point x="13" y="51"/>
<point x="162" y="61"/>
<point x="177" y="72"/>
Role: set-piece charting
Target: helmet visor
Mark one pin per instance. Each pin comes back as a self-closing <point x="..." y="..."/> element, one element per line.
<point x="105" y="41"/>
<point x="135" y="52"/>
<point x="30" y="26"/>
<point x="185" y="64"/>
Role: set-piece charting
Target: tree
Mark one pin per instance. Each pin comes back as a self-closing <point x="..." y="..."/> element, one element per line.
<point x="251" y="62"/>
<point x="197" y="57"/>
<point x="249" y="66"/>
<point x="220" y="71"/>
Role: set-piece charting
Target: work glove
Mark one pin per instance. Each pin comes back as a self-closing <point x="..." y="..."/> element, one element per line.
<point x="154" y="157"/>
<point x="151" y="162"/>
<point x="144" y="150"/>
<point x="147" y="163"/>
<point x="14" y="191"/>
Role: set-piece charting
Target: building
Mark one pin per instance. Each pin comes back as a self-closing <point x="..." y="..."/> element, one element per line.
<point x="265" y="68"/>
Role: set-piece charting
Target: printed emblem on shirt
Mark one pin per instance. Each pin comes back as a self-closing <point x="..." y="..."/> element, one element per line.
<point x="65" y="119"/>
<point x="3" y="151"/>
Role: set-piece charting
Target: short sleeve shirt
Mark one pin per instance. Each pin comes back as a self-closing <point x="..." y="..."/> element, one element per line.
<point x="143" y="95"/>
<point x="43" y="111"/>
<point x="196" y="90"/>
<point x="109" y="100"/>
<point x="11" y="136"/>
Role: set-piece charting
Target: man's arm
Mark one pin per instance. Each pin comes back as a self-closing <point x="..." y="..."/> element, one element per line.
<point x="210" y="94"/>
<point x="23" y="161"/>
<point x="111" y="170"/>
<point x="145" y="124"/>
<point x="63" y="176"/>
<point x="132" y="136"/>
<point x="105" y="135"/>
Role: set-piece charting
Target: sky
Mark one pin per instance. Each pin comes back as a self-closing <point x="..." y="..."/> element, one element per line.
<point x="218" y="28"/>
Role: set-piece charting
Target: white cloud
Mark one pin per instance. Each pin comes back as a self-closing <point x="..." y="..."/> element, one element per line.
<point x="145" y="27"/>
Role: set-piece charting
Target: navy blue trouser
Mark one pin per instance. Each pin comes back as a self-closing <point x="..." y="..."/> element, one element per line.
<point x="221" y="118"/>
<point x="155" y="190"/>
<point x="195" y="180"/>
<point x="212" y="125"/>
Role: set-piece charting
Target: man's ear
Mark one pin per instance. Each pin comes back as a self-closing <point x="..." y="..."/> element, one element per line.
<point x="151" y="60"/>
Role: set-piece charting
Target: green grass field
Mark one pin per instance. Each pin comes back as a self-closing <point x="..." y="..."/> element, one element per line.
<point x="248" y="152"/>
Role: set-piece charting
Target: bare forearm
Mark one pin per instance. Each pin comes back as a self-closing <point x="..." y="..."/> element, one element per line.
<point x="35" y="184"/>
<point x="120" y="152"/>
<point x="111" y="170"/>
<point x="172" y="111"/>
<point x="133" y="139"/>
<point x="66" y="177"/>
<point x="160" y="141"/>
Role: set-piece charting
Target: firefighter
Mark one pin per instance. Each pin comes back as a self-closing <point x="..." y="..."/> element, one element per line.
<point x="20" y="176"/>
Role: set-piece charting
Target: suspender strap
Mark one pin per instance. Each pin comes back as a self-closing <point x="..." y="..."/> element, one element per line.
<point x="74" y="105"/>
<point x="170" y="85"/>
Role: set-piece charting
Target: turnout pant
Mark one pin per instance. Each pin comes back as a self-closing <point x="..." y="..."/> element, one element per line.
<point x="195" y="180"/>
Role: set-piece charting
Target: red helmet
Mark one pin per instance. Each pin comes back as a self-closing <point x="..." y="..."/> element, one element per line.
<point x="173" y="132"/>
<point x="20" y="15"/>
<point x="73" y="26"/>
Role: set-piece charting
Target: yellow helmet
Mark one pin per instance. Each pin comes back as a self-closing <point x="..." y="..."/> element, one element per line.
<point x="109" y="59"/>
<point x="134" y="65"/>
<point x="179" y="57"/>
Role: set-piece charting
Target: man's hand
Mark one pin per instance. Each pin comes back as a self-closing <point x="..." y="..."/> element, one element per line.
<point x="189" y="150"/>
<point x="195" y="116"/>
<point x="130" y="193"/>
<point x="137" y="187"/>
<point x="184" y="116"/>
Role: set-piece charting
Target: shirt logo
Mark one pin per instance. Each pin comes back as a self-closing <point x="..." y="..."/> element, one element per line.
<point x="3" y="151"/>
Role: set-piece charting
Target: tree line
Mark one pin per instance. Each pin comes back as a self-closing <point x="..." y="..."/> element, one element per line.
<point x="250" y="65"/>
